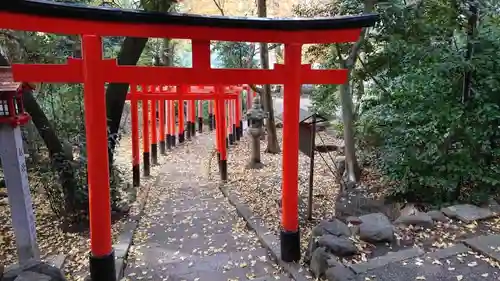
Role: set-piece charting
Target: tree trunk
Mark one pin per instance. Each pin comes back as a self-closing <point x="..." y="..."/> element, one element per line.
<point x="352" y="166"/>
<point x="272" y="138"/>
<point x="61" y="161"/>
<point x="116" y="93"/>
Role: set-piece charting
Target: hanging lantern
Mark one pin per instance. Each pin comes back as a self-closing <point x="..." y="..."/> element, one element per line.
<point x="11" y="99"/>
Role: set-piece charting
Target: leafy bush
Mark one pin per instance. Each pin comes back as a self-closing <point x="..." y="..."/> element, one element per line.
<point x="431" y="144"/>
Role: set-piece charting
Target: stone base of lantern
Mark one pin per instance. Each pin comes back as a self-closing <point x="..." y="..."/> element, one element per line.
<point x="254" y="165"/>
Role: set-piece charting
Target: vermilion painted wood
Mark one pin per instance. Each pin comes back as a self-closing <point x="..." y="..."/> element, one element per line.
<point x="71" y="73"/>
<point x="134" y="111"/>
<point x="290" y="170"/>
<point x="76" y="26"/>
<point x="145" y="126"/>
<point x="154" y="129"/>
<point x="220" y="120"/>
<point x="171" y="117"/>
<point x="97" y="147"/>
<point x="192" y="110"/>
<point x="162" y="120"/>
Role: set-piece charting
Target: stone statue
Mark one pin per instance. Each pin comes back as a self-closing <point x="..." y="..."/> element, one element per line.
<point x="256" y="118"/>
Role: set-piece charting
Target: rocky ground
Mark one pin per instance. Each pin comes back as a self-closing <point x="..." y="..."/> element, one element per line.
<point x="356" y="226"/>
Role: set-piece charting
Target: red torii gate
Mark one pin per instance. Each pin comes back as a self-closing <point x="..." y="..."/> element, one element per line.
<point x="94" y="72"/>
<point x="166" y="93"/>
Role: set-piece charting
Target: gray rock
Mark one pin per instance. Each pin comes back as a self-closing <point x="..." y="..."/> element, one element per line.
<point x="339" y="246"/>
<point x="32" y="276"/>
<point x="437" y="216"/>
<point x="493" y="205"/>
<point x="353" y="220"/>
<point x="52" y="272"/>
<point x="376" y="227"/>
<point x="339" y="273"/>
<point x="319" y="262"/>
<point x="311" y="247"/>
<point x="333" y="227"/>
<point x="418" y="219"/>
<point x="467" y="213"/>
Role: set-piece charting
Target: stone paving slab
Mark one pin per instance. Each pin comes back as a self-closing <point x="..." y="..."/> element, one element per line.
<point x="468" y="213"/>
<point x="385" y="260"/>
<point x="460" y="267"/>
<point x="192" y="205"/>
<point x="193" y="229"/>
<point x="488" y="245"/>
<point x="209" y="245"/>
<point x="238" y="265"/>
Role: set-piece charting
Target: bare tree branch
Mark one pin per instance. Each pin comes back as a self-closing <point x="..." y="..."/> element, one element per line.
<point x="219" y="6"/>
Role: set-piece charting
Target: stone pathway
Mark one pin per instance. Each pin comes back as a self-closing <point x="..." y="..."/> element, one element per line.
<point x="190" y="231"/>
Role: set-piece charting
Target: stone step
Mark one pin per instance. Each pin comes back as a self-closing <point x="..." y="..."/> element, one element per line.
<point x="191" y="228"/>
<point x="153" y="265"/>
<point x="192" y="204"/>
<point x="205" y="245"/>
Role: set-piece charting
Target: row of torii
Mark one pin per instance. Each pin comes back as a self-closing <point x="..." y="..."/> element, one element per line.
<point x="159" y="104"/>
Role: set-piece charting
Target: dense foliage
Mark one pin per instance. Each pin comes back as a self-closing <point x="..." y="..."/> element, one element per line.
<point x="432" y="141"/>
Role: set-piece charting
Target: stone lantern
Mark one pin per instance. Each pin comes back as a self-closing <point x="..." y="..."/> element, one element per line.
<point x="256" y="116"/>
<point x="12" y="156"/>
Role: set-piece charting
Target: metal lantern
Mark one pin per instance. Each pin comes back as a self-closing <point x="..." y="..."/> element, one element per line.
<point x="11" y="100"/>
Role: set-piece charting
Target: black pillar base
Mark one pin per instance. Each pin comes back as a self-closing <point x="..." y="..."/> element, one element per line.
<point x="200" y="125"/>
<point x="146" y="164"/>
<point x="154" y="154"/>
<point x="235" y="134"/>
<point x="173" y="140"/>
<point x="162" y="147"/>
<point x="290" y="246"/>
<point x="136" y="175"/>
<point x="181" y="138"/>
<point x="169" y="141"/>
<point x="103" y="268"/>
<point x="193" y="129"/>
<point x="218" y="161"/>
<point x="188" y="131"/>
<point x="227" y="143"/>
<point x="223" y="169"/>
<point x="231" y="139"/>
<point x="211" y="122"/>
<point x="241" y="129"/>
